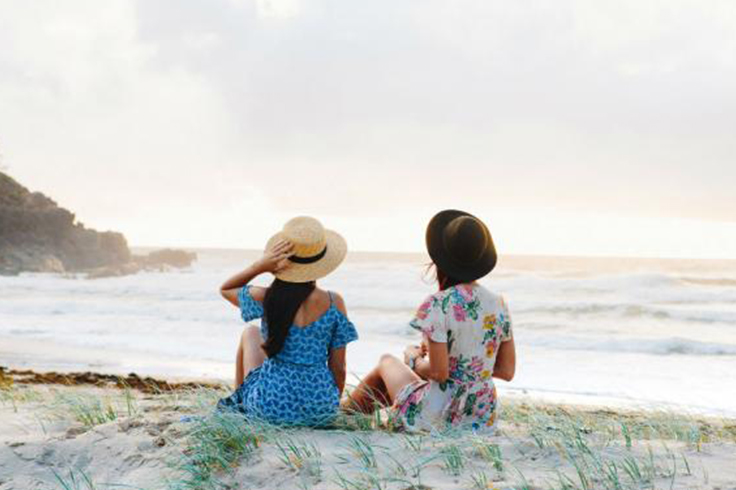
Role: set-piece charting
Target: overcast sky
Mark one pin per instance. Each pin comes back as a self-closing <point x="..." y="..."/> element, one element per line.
<point x="575" y="126"/>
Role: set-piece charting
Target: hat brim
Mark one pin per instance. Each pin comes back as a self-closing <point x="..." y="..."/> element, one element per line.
<point x="443" y="259"/>
<point x="337" y="249"/>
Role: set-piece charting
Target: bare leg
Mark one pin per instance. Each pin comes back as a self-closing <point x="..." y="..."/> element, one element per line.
<point x="370" y="391"/>
<point x="239" y="376"/>
<point x="250" y="355"/>
<point x="381" y="385"/>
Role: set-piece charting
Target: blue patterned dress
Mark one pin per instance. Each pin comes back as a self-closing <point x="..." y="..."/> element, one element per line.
<point x="295" y="387"/>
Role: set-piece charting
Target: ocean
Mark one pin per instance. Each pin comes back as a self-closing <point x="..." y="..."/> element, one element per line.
<point x="601" y="331"/>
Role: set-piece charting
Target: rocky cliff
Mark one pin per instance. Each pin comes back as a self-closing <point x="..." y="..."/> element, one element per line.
<point x="36" y="235"/>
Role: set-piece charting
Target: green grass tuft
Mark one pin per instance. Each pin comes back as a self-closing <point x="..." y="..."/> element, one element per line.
<point x="76" y="480"/>
<point x="217" y="442"/>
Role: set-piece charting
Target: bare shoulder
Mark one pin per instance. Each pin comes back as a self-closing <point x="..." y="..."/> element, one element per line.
<point x="339" y="302"/>
<point x="258" y="293"/>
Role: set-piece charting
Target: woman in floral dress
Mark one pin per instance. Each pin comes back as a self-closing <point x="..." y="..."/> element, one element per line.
<point x="447" y="382"/>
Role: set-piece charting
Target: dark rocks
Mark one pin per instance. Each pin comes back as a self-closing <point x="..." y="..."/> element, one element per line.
<point x="158" y="261"/>
<point x="36" y="235"/>
<point x="168" y="257"/>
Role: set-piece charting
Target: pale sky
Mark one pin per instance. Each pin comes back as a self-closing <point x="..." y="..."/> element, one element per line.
<point x="571" y="127"/>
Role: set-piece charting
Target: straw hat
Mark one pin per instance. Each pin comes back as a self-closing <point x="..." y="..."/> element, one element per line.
<point x="317" y="251"/>
<point x="460" y="245"/>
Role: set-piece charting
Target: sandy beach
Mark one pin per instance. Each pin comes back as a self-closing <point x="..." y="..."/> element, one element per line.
<point x="517" y="216"/>
<point x="96" y="435"/>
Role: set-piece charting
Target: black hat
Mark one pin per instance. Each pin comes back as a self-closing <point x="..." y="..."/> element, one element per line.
<point x="460" y="245"/>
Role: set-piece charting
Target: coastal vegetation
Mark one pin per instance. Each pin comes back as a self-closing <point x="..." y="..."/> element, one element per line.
<point x="187" y="445"/>
<point x="37" y="235"/>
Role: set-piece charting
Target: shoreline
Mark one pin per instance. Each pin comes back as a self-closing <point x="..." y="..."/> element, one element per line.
<point x="151" y="385"/>
<point x="159" y="381"/>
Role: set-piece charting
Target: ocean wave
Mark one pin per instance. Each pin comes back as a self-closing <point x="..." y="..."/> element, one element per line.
<point x="679" y="311"/>
<point x="661" y="347"/>
<point x="710" y="281"/>
<point x="633" y="281"/>
<point x="597" y="308"/>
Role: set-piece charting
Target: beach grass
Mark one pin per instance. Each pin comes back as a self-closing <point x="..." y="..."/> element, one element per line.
<point x="15" y="395"/>
<point x="538" y="447"/>
<point x="584" y="450"/>
<point x="74" y="480"/>
<point x="215" y="443"/>
<point x="92" y="410"/>
<point x="581" y="449"/>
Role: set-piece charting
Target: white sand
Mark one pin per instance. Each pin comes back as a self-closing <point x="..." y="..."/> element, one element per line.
<point x="40" y="436"/>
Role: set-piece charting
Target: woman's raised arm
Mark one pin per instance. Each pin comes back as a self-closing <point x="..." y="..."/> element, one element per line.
<point x="272" y="261"/>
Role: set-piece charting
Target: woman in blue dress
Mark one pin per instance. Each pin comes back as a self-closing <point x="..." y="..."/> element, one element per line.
<point x="291" y="370"/>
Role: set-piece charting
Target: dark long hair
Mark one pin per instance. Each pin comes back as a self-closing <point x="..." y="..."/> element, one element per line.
<point x="280" y="305"/>
<point x="444" y="281"/>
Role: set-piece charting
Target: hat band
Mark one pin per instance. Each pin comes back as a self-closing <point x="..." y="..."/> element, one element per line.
<point x="309" y="260"/>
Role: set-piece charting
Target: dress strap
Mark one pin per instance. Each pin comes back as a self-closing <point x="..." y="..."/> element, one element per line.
<point x="332" y="302"/>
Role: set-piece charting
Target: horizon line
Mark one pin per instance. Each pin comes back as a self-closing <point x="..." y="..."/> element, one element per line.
<point x="511" y="254"/>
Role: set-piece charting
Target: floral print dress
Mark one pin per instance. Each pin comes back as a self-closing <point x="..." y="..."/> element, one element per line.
<point x="473" y="322"/>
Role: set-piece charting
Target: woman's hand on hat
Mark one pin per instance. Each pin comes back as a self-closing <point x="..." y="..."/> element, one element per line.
<point x="277" y="257"/>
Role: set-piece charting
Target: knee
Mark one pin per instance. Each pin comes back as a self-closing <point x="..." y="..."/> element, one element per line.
<point x="387" y="360"/>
